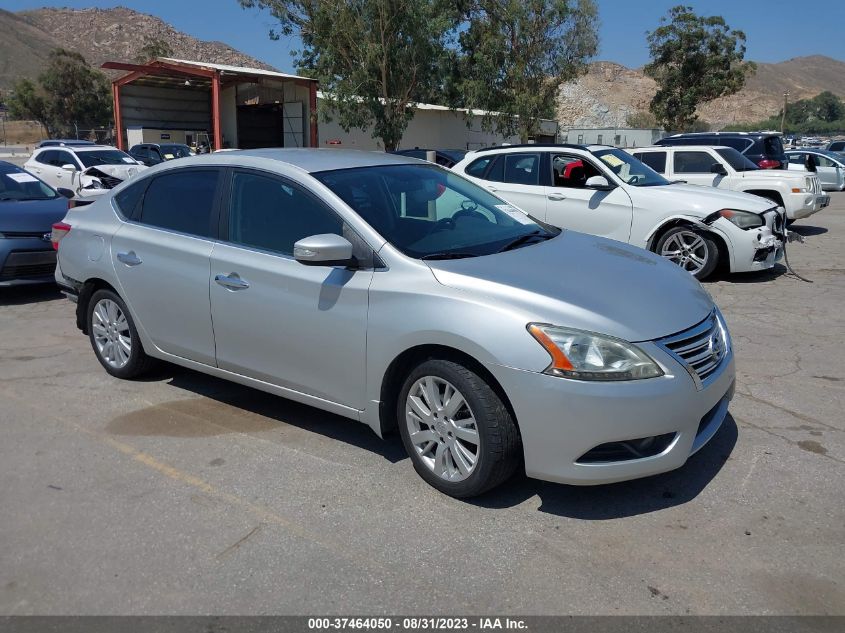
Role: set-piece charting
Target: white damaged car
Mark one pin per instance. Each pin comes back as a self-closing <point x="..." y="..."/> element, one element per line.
<point x="87" y="170"/>
<point x="605" y="191"/>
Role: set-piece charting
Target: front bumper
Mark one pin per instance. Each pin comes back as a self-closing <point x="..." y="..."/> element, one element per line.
<point x="806" y="204"/>
<point x="26" y="261"/>
<point x="756" y="249"/>
<point x="563" y="420"/>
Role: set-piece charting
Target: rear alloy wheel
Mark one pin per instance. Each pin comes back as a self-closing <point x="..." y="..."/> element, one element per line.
<point x="694" y="251"/>
<point x="114" y="337"/>
<point x="460" y="436"/>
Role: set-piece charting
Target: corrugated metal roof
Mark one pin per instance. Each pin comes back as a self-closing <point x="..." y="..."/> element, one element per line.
<point x="243" y="70"/>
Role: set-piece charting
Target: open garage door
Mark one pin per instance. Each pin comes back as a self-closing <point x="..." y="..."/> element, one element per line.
<point x="260" y="126"/>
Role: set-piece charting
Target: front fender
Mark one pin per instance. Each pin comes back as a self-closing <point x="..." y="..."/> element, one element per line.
<point x="716" y="228"/>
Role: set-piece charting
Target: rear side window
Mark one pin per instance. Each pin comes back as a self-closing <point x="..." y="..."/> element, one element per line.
<point x="182" y="201"/>
<point x="522" y="169"/>
<point x="837" y="146"/>
<point x="476" y="168"/>
<point x="655" y="160"/>
<point x="45" y="157"/>
<point x="796" y="159"/>
<point x="693" y="162"/>
<point x="772" y="146"/>
<point x="128" y="199"/>
<point x="271" y="214"/>
<point x="739" y="144"/>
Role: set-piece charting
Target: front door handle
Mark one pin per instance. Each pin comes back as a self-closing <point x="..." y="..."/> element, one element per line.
<point x="130" y="258"/>
<point x="232" y="282"/>
<point x="556" y="196"/>
<point x="492" y="189"/>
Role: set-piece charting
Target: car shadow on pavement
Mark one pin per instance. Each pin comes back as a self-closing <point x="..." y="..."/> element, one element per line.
<point x="35" y="293"/>
<point x="283" y="411"/>
<point x="629" y="498"/>
<point x="807" y="230"/>
<point x="756" y="277"/>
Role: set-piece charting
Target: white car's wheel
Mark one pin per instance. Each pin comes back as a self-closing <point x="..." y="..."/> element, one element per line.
<point x="693" y="250"/>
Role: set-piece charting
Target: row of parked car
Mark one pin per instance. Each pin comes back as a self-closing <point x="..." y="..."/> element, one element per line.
<point x="452" y="304"/>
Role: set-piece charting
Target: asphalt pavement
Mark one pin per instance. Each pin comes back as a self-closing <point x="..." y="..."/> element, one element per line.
<point x="184" y="494"/>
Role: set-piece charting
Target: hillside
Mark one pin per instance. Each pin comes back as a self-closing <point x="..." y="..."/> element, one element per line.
<point x="609" y="92"/>
<point x="99" y="35"/>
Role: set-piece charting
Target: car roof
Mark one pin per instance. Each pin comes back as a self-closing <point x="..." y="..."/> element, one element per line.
<point x="745" y="134"/>
<point x="662" y="148"/>
<point x="307" y="159"/>
<point x="532" y="146"/>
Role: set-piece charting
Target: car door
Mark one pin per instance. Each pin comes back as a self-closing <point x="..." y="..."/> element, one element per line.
<point x="828" y="172"/>
<point x="571" y="205"/>
<point x="161" y="257"/>
<point x="275" y="319"/>
<point x="694" y="168"/>
<point x="516" y="177"/>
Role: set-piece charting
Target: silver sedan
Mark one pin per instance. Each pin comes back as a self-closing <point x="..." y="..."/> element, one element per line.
<point x="399" y="294"/>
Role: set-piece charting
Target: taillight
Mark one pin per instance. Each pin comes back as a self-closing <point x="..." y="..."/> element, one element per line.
<point x="769" y="163"/>
<point x="60" y="229"/>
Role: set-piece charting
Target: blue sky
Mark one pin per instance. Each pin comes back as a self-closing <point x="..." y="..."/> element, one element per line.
<point x="776" y="29"/>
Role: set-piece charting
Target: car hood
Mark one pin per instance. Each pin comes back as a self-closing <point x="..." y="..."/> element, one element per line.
<point x="118" y="171"/>
<point x="31" y="216"/>
<point x="774" y="174"/>
<point x="699" y="199"/>
<point x="585" y="282"/>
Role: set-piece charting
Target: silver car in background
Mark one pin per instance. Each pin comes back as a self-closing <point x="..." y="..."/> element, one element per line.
<point x="397" y="293"/>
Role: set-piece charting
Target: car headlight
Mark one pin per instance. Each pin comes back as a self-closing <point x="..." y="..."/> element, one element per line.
<point x="589" y="356"/>
<point x="743" y="219"/>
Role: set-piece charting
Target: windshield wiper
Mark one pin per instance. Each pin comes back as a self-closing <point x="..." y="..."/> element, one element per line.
<point x="446" y="255"/>
<point x="522" y="239"/>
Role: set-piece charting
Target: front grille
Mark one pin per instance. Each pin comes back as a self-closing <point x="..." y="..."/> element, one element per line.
<point x="814" y="184"/>
<point x="29" y="265"/>
<point x="701" y="348"/>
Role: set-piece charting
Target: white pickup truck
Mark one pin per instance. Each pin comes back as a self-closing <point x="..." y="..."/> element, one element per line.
<point x="799" y="193"/>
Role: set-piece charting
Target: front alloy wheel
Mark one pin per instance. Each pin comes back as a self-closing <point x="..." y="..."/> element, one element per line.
<point x="442" y="428"/>
<point x="456" y="428"/>
<point x="694" y="251"/>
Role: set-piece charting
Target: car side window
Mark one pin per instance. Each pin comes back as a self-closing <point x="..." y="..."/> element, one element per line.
<point x="825" y="162"/>
<point x="182" y="201"/>
<point x="477" y="167"/>
<point x="522" y="169"/>
<point x="61" y="158"/>
<point x="130" y="197"/>
<point x="271" y="214"/>
<point x="796" y="159"/>
<point x="45" y="158"/>
<point x="572" y="171"/>
<point x="655" y="160"/>
<point x="693" y="162"/>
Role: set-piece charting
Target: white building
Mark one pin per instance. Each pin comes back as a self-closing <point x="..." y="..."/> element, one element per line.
<point x="618" y="136"/>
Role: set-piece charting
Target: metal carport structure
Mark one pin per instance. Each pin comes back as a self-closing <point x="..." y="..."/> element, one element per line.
<point x="236" y="106"/>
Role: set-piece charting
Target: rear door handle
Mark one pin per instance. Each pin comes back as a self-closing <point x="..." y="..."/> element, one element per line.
<point x="492" y="189"/>
<point x="232" y="282"/>
<point x="130" y="258"/>
<point x="556" y="196"/>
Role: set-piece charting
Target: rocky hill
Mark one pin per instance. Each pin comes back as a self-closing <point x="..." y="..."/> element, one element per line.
<point x="99" y="35"/>
<point x="610" y="92"/>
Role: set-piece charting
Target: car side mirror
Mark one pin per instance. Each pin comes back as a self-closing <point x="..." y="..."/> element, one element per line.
<point x="599" y="183"/>
<point x="67" y="193"/>
<point x="718" y="168"/>
<point x="327" y="249"/>
<point x="69" y="167"/>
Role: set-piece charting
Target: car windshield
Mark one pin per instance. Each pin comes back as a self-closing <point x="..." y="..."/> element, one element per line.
<point x="105" y="157"/>
<point x="16" y="184"/>
<point x="430" y="213"/>
<point x="629" y="169"/>
<point x="736" y="160"/>
<point x="174" y="150"/>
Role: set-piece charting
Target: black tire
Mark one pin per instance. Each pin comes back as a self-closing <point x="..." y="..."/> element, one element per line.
<point x="711" y="248"/>
<point x="500" y="448"/>
<point x="138" y="363"/>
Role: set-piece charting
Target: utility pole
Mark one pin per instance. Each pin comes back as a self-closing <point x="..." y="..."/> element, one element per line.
<point x="783" y="114"/>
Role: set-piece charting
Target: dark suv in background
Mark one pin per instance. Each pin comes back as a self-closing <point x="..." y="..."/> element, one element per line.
<point x="764" y="149"/>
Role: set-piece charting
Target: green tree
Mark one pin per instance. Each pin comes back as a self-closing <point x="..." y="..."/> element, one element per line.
<point x="517" y="53"/>
<point x="694" y="60"/>
<point x="827" y="107"/>
<point x="641" y="119"/>
<point x="374" y="59"/>
<point x="27" y="101"/>
<point x="76" y="95"/>
<point x="154" y="47"/>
